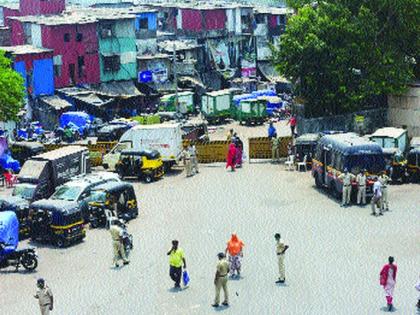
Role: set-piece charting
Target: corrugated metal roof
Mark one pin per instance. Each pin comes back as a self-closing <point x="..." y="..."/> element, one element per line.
<point x="390" y="132"/>
<point x="56" y="102"/>
<point x="25" y="49"/>
<point x="54" y="154"/>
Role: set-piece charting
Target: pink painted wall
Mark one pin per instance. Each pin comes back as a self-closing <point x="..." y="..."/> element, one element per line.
<point x="273" y="21"/>
<point x="7" y="12"/>
<point x="18" y="36"/>
<point x="191" y="20"/>
<point x="37" y="7"/>
<point x="215" y="19"/>
<point x="53" y="37"/>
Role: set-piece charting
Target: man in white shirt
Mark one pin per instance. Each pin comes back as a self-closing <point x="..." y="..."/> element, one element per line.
<point x="377" y="197"/>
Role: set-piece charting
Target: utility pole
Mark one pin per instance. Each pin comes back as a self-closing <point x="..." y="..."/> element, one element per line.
<point x="175" y="79"/>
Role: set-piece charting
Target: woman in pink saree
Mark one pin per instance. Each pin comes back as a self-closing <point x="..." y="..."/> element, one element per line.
<point x="388" y="277"/>
<point x="230" y="159"/>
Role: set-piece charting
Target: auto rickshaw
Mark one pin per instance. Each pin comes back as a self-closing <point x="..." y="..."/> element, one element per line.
<point x="21" y="208"/>
<point x="144" y="164"/>
<point x="396" y="165"/>
<point x="413" y="165"/>
<point x="56" y="221"/>
<point x="305" y="145"/>
<point x="118" y="197"/>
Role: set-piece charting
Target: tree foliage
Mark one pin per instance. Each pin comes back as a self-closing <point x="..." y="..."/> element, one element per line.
<point x="342" y="54"/>
<point x="11" y="90"/>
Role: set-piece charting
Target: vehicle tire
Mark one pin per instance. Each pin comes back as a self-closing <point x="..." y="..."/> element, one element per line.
<point x="105" y="166"/>
<point x="60" y="243"/>
<point x="148" y="178"/>
<point x="318" y="182"/>
<point x="29" y="261"/>
<point x="120" y="172"/>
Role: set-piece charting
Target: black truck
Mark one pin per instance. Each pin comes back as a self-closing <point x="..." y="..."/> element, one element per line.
<point x="41" y="174"/>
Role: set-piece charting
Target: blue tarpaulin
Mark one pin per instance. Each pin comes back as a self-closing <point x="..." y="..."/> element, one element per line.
<point x="7" y="162"/>
<point x="79" y="119"/>
<point x="9" y="231"/>
<point x="43" y="77"/>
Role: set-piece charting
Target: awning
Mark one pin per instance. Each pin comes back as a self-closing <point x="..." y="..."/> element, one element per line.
<point x="121" y="89"/>
<point x="55" y="102"/>
<point x="93" y="99"/>
<point x="269" y="73"/>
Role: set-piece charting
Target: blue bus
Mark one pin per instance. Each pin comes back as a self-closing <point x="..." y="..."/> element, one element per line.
<point x="337" y="152"/>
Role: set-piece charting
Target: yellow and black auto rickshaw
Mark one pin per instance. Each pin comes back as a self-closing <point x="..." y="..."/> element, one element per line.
<point x="59" y="222"/>
<point x="144" y="164"/>
<point x="413" y="165"/>
<point x="117" y="197"/>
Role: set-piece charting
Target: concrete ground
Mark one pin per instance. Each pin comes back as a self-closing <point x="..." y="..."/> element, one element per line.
<point x="332" y="266"/>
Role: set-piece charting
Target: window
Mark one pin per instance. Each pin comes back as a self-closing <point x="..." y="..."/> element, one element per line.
<point x="106" y="30"/>
<point x="260" y="19"/>
<point x="144" y="24"/>
<point x="80" y="66"/>
<point x="79" y="37"/>
<point x="66" y="37"/>
<point x="111" y="63"/>
<point x="57" y="70"/>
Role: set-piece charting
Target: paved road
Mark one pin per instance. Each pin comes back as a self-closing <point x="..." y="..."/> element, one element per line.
<point x="332" y="265"/>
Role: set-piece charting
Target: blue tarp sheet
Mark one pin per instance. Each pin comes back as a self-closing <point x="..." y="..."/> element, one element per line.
<point x="79" y="119"/>
<point x="7" y="162"/>
<point x="43" y="77"/>
<point x="9" y="231"/>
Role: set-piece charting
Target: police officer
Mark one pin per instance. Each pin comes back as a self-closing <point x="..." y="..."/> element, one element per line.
<point x="275" y="154"/>
<point x="194" y="161"/>
<point x="281" y="248"/>
<point x="361" y="187"/>
<point x="221" y="279"/>
<point x="117" y="234"/>
<point x="384" y="179"/>
<point x="186" y="156"/>
<point x="44" y="296"/>
<point x="347" y="178"/>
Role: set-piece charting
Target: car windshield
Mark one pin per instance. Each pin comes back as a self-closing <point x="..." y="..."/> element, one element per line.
<point x="69" y="193"/>
<point x="24" y="191"/>
<point x="373" y="163"/>
<point x="97" y="196"/>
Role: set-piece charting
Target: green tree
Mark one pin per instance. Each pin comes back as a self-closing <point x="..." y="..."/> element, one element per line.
<point x="11" y="90"/>
<point x="343" y="54"/>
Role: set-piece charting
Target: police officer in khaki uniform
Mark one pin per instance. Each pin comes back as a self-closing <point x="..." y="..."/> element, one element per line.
<point x="275" y="148"/>
<point x="221" y="279"/>
<point x="347" y="178"/>
<point x="281" y="248"/>
<point x="117" y="243"/>
<point x="361" y="187"/>
<point x="44" y="296"/>
<point x="186" y="156"/>
<point x="194" y="161"/>
<point x="384" y="180"/>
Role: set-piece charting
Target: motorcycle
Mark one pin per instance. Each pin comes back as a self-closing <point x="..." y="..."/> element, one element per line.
<point x="26" y="257"/>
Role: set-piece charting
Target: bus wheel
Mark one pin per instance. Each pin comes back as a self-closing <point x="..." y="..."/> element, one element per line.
<point x="60" y="243"/>
<point x="148" y="178"/>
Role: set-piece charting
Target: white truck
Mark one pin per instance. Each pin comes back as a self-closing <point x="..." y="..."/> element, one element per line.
<point x="165" y="138"/>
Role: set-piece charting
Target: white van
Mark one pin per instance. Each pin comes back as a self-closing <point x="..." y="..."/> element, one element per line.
<point x="165" y="138"/>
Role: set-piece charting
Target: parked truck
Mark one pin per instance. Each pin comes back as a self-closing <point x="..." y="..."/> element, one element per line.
<point x="165" y="138"/>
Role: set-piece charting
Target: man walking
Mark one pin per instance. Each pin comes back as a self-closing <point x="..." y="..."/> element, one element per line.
<point x="347" y="178"/>
<point x="117" y="234"/>
<point x="221" y="279"/>
<point x="186" y="156"/>
<point x="44" y="296"/>
<point x="377" y="197"/>
<point x="194" y="160"/>
<point x="361" y="187"/>
<point x="384" y="180"/>
<point x="275" y="153"/>
<point x="281" y="248"/>
<point x="176" y="259"/>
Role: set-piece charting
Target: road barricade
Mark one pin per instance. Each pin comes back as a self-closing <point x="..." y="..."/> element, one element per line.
<point x="260" y="148"/>
<point x="210" y="151"/>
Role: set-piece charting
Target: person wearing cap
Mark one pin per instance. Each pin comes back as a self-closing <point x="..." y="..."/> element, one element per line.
<point x="117" y="234"/>
<point x="221" y="279"/>
<point x="347" y="178"/>
<point x="186" y="157"/>
<point x="176" y="260"/>
<point x="377" y="197"/>
<point x="361" y="187"/>
<point x="384" y="179"/>
<point x="44" y="296"/>
<point x="194" y="161"/>
<point x="281" y="248"/>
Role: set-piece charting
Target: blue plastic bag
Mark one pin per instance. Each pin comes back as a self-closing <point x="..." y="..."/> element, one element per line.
<point x="185" y="278"/>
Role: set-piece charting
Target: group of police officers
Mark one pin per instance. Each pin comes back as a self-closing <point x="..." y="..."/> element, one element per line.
<point x="380" y="190"/>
